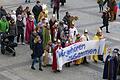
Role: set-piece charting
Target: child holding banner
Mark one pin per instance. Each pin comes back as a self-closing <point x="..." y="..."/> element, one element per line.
<point x="54" y="64"/>
<point x="85" y="37"/>
<point x="66" y="45"/>
<point x="79" y="61"/>
<point x="98" y="37"/>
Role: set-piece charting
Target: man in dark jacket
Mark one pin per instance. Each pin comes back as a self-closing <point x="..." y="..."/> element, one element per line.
<point x="2" y="12"/>
<point x="20" y="29"/>
<point x="36" y="10"/>
<point x="56" y="6"/>
<point x="38" y="50"/>
<point x="105" y="18"/>
<point x="19" y="10"/>
<point x="66" y="18"/>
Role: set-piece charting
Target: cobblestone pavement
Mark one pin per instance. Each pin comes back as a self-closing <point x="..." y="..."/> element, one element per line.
<point x="18" y="68"/>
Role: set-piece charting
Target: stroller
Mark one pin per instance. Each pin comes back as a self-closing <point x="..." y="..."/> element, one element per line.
<point x="7" y="47"/>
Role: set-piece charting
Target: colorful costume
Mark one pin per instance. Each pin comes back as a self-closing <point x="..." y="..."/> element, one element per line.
<point x="54" y="64"/>
<point x="29" y="29"/>
<point x="46" y="36"/>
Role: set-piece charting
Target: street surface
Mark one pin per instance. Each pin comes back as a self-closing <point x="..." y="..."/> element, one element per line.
<point x="18" y="68"/>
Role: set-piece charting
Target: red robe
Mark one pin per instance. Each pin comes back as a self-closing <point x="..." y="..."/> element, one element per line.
<point x="115" y="9"/>
<point x="29" y="29"/>
<point x="54" y="64"/>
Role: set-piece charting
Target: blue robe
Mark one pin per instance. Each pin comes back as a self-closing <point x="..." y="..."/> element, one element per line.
<point x="110" y="68"/>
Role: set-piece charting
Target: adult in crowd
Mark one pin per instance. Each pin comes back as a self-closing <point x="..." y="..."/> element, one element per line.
<point x="26" y="12"/>
<point x="46" y="33"/>
<point x="38" y="52"/>
<point x="85" y="37"/>
<point x="20" y="29"/>
<point x="36" y="10"/>
<point x="98" y="36"/>
<point x="4" y="24"/>
<point x="29" y="28"/>
<point x="100" y="3"/>
<point x="12" y="30"/>
<point x="4" y="27"/>
<point x="13" y="15"/>
<point x="8" y="17"/>
<point x="111" y="4"/>
<point x="56" y="6"/>
<point x="51" y="3"/>
<point x="52" y="22"/>
<point x="19" y="10"/>
<point x="105" y="18"/>
<point x="66" y="19"/>
<point x="2" y="12"/>
<point x="43" y="13"/>
<point x="64" y="35"/>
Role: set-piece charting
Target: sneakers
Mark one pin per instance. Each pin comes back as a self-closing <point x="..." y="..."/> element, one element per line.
<point x="22" y="43"/>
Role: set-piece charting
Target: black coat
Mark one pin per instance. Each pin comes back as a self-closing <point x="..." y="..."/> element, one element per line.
<point x="20" y="26"/>
<point x="105" y="17"/>
<point x="19" y="11"/>
<point x="36" y="10"/>
<point x="110" y="68"/>
<point x="2" y="13"/>
<point x="56" y="3"/>
<point x="13" y="30"/>
<point x="38" y="47"/>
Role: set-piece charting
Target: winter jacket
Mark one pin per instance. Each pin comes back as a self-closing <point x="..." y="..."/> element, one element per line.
<point x="4" y="26"/>
<point x="2" y="13"/>
<point x="13" y="30"/>
<point x="36" y="10"/>
<point x="105" y="19"/>
<point x="20" y="26"/>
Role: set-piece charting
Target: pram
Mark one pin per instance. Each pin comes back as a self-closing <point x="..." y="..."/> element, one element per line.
<point x="7" y="47"/>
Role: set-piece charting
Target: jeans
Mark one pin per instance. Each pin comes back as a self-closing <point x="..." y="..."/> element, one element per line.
<point x="35" y="61"/>
<point x="101" y="8"/>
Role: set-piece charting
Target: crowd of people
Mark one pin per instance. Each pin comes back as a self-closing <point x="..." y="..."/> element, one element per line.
<point x="45" y="35"/>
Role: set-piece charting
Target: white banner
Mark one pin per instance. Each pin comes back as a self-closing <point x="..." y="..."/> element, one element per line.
<point x="79" y="50"/>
